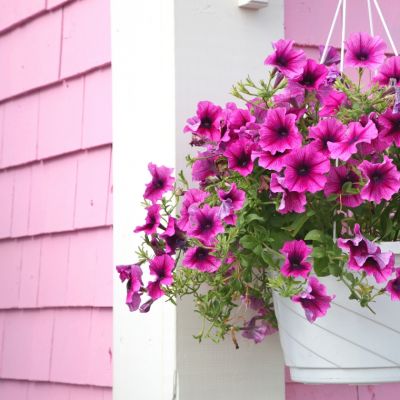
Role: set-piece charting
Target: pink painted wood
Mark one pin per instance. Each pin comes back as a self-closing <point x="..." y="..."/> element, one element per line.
<point x="56" y="200"/>
<point x="300" y="15"/>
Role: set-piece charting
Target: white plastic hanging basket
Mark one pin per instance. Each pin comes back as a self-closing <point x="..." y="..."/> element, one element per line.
<point x="348" y="345"/>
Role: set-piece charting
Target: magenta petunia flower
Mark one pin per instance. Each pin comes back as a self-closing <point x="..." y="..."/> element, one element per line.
<point x="205" y="224"/>
<point x="291" y="201"/>
<point x="238" y="118"/>
<point x="355" y="134"/>
<point x="295" y="265"/>
<point x="152" y="220"/>
<point x="204" y="166"/>
<point x="364" y="51"/>
<point x="257" y="329"/>
<point x="231" y="201"/>
<point x="337" y="178"/>
<point x="286" y="59"/>
<point x="332" y="55"/>
<point x="359" y="245"/>
<point x="161" y="182"/>
<point x="133" y="274"/>
<point x="314" y="299"/>
<point x="383" y="180"/>
<point x="381" y="142"/>
<point x="390" y="122"/>
<point x="390" y="69"/>
<point x="174" y="237"/>
<point x="267" y="160"/>
<point x="380" y="265"/>
<point x="327" y="131"/>
<point x="332" y="102"/>
<point x="207" y="121"/>
<point x="305" y="170"/>
<point x="201" y="259"/>
<point x="161" y="268"/>
<point x="393" y="286"/>
<point x="238" y="154"/>
<point x="312" y="76"/>
<point x="191" y="201"/>
<point x="279" y="131"/>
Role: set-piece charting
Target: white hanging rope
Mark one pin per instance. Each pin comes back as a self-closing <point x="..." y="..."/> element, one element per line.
<point x="328" y="39"/>
<point x="371" y="22"/>
<point x="396" y="53"/>
<point x="344" y="7"/>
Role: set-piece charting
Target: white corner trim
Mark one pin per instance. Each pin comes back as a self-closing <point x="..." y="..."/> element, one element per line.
<point x="253" y="4"/>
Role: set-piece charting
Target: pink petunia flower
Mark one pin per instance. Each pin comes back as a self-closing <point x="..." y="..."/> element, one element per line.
<point x="232" y="200"/>
<point x="379" y="264"/>
<point x="286" y="59"/>
<point x="337" y="178"/>
<point x="312" y="76"/>
<point x="295" y="265"/>
<point x="314" y="299"/>
<point x="279" y="131"/>
<point x="161" y="268"/>
<point x="267" y="160"/>
<point x="207" y="121"/>
<point x="239" y="156"/>
<point x="364" y="51"/>
<point x="133" y="274"/>
<point x="327" y="131"/>
<point x="257" y="329"/>
<point x="390" y="122"/>
<point x="359" y="245"/>
<point x="332" y="55"/>
<point x="332" y="102"/>
<point x="393" y="286"/>
<point x="152" y="220"/>
<point x="291" y="201"/>
<point x="205" y="224"/>
<point x="390" y="69"/>
<point x="191" y="201"/>
<point x="201" y="259"/>
<point x="174" y="237"/>
<point x="204" y="166"/>
<point x="355" y="134"/>
<point x="383" y="180"/>
<point x="305" y="170"/>
<point x="161" y="182"/>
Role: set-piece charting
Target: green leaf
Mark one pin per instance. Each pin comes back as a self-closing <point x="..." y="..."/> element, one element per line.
<point x="318" y="252"/>
<point x="321" y="266"/>
<point x="248" y="242"/>
<point x="315" y="235"/>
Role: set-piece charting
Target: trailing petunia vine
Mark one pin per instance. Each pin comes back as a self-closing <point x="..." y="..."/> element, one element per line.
<point x="311" y="156"/>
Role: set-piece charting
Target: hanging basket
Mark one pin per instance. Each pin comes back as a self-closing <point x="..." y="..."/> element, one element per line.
<point x="349" y="345"/>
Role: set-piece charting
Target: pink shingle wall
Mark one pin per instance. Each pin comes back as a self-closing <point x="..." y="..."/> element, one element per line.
<point x="55" y="200"/>
<point x="307" y="22"/>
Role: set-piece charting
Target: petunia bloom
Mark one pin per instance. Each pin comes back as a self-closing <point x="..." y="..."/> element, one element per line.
<point x="207" y="121"/>
<point x="279" y="131"/>
<point x="267" y="160"/>
<point x="161" y="268"/>
<point x="355" y="134"/>
<point x="204" y="166"/>
<point x="379" y="264"/>
<point x="314" y="300"/>
<point x="295" y="265"/>
<point x="312" y="76"/>
<point x="359" y="245"/>
<point x="326" y="131"/>
<point x="337" y="178"/>
<point x="205" y="224"/>
<point x="232" y="200"/>
<point x="390" y="69"/>
<point x="152" y="220"/>
<point x="393" y="286"/>
<point x="286" y="59"/>
<point x="257" y="329"/>
<point x="332" y="55"/>
<point x="305" y="170"/>
<point x="161" y="182"/>
<point x="174" y="237"/>
<point x="364" y="51"/>
<point x="390" y="122"/>
<point x="383" y="180"/>
<point x="202" y="259"/>
<point x="239" y="156"/>
<point x="332" y="102"/>
<point x="191" y="200"/>
<point x="291" y="201"/>
<point x="133" y="274"/>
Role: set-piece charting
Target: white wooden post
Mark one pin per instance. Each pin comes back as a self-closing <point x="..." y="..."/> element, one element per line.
<point x="207" y="45"/>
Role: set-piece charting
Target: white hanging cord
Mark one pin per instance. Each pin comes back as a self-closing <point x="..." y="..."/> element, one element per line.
<point x="386" y="27"/>
<point x="371" y="22"/>
<point x="328" y="39"/>
<point x="343" y="35"/>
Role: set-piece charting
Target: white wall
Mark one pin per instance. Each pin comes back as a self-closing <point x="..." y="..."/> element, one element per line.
<point x="218" y="44"/>
<point x="154" y="91"/>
